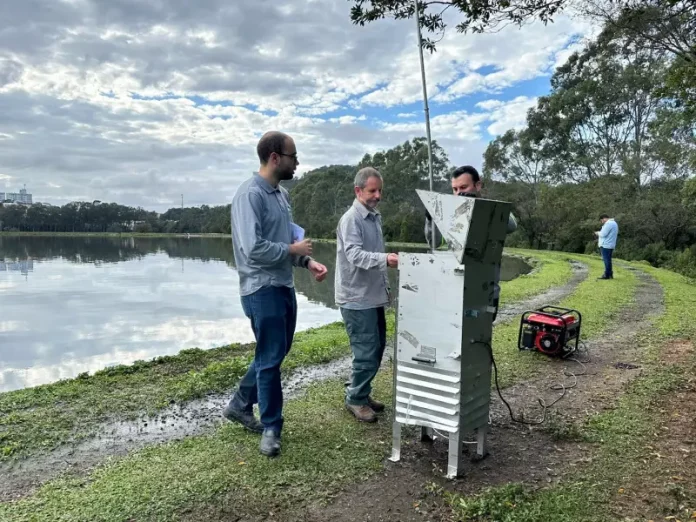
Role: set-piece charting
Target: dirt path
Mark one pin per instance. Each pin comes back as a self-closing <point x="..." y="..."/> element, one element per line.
<point x="665" y="485"/>
<point x="197" y="417"/>
<point x="518" y="453"/>
<point x="552" y="296"/>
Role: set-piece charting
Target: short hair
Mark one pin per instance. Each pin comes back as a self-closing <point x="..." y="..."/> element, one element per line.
<point x="467" y="169"/>
<point x="272" y="141"/>
<point x="604" y="216"/>
<point x="364" y="174"/>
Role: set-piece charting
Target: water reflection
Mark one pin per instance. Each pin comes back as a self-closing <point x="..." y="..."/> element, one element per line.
<point x="71" y="305"/>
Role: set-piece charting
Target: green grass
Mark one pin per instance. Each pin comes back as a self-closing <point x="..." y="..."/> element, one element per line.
<point x="599" y="302"/>
<point x="680" y="302"/>
<point x="220" y="475"/>
<point x="550" y="270"/>
<point x="44" y="416"/>
<point x="213" y="477"/>
<point x="620" y="436"/>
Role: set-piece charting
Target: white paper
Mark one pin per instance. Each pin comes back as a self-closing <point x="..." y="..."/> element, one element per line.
<point x="297" y="232"/>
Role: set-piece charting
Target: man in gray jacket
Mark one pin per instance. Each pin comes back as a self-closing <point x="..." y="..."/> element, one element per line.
<point x="467" y="182"/>
<point x="362" y="290"/>
<point x="265" y="251"/>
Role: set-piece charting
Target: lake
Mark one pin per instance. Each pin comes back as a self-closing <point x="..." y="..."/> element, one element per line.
<point x="78" y="304"/>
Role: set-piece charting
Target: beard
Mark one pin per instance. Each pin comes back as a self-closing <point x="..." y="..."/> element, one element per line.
<point x="285" y="173"/>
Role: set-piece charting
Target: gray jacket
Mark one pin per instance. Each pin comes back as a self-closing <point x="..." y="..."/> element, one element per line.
<point x="361" y="261"/>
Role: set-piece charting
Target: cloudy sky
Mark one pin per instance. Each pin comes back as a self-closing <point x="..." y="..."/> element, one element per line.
<point x="138" y="101"/>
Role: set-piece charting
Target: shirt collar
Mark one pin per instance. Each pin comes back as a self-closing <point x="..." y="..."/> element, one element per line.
<point x="265" y="185"/>
<point x="363" y="210"/>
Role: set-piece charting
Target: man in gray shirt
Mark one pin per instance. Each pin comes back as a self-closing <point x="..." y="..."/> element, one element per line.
<point x="265" y="252"/>
<point x="467" y="182"/>
<point x="362" y="290"/>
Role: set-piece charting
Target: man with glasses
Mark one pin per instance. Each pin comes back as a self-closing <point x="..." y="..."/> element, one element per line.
<point x="265" y="251"/>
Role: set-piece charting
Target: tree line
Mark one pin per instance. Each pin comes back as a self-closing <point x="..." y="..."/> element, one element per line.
<point x="616" y="135"/>
<point x="81" y="216"/>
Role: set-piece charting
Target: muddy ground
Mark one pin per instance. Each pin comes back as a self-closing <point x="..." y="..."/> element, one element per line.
<point x="517" y="452"/>
<point x="21" y="477"/>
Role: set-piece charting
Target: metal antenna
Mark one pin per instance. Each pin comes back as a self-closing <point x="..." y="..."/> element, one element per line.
<point x="427" y="118"/>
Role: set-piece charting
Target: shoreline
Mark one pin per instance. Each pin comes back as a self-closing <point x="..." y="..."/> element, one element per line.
<point x="147" y="387"/>
<point x="184" y="235"/>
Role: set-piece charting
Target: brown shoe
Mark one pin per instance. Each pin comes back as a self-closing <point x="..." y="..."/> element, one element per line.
<point x="362" y="412"/>
<point x="375" y="405"/>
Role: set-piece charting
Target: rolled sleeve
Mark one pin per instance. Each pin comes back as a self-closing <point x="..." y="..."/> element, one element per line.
<point x="353" y="247"/>
<point x="246" y="215"/>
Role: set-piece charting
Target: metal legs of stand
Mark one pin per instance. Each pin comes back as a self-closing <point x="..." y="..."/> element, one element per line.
<point x="454" y="459"/>
<point x="396" y="442"/>
<point x="455" y="453"/>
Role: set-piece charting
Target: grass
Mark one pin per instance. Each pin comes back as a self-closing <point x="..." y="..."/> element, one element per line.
<point x="550" y="270"/>
<point x="599" y="304"/>
<point x="680" y="302"/>
<point x="211" y="477"/>
<point x="214" y="477"/>
<point x="621" y="436"/>
<point x="40" y="418"/>
<point x="44" y="416"/>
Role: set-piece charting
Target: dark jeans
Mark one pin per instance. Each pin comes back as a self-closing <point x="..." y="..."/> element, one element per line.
<point x="606" y="256"/>
<point x="367" y="331"/>
<point x="273" y="314"/>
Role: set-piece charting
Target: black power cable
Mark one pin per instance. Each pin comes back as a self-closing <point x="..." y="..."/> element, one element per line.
<point x="542" y="403"/>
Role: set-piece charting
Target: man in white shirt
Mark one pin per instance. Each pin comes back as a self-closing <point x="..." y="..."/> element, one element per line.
<point x="606" y="240"/>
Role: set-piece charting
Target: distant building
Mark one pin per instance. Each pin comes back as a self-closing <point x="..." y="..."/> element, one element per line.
<point x="17" y="197"/>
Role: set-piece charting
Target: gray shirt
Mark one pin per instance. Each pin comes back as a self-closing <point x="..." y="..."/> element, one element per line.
<point x="361" y="279"/>
<point x="261" y="236"/>
<point x="512" y="226"/>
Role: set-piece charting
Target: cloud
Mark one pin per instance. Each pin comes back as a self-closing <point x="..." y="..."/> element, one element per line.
<point x="505" y="116"/>
<point x="138" y="102"/>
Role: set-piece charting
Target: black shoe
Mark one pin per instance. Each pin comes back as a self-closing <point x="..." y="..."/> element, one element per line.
<point x="244" y="418"/>
<point x="605" y="277"/>
<point x="270" y="443"/>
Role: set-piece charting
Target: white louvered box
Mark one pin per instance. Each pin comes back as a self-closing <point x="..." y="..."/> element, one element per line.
<point x="444" y="324"/>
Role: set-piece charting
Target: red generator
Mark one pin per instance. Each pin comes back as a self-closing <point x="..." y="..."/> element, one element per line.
<point x="550" y="330"/>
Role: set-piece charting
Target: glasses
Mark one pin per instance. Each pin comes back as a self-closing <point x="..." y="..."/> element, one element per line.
<point x="293" y="155"/>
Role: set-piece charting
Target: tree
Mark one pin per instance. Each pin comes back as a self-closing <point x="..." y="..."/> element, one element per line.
<point x="516" y="159"/>
<point x="596" y="120"/>
<point x="479" y="16"/>
<point x="668" y="25"/>
<point x="320" y="197"/>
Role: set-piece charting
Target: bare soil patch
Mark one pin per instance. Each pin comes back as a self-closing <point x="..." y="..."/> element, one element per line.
<point x="518" y="453"/>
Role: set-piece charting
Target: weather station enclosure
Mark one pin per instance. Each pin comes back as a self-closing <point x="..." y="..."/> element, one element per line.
<point x="442" y="362"/>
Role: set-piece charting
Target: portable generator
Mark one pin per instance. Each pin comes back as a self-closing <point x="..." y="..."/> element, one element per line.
<point x="550" y="330"/>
